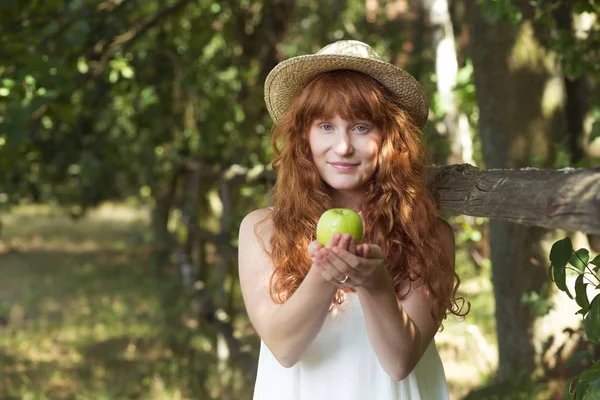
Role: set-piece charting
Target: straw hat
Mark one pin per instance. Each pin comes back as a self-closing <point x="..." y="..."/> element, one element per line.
<point x="289" y="77"/>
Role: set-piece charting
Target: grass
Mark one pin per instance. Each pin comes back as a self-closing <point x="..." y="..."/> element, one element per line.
<point x="82" y="310"/>
<point x="83" y="316"/>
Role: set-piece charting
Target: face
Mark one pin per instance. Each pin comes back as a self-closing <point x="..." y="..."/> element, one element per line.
<point x="345" y="152"/>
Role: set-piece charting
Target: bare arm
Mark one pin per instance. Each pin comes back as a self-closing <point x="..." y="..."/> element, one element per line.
<point x="400" y="331"/>
<point x="287" y="329"/>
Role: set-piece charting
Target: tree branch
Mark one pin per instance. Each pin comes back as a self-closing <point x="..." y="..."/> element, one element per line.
<point x="123" y="41"/>
<point x="557" y="199"/>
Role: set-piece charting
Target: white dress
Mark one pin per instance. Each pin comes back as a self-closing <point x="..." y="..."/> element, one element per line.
<point x="341" y="364"/>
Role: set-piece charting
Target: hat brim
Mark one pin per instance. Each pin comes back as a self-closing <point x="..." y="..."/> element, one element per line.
<point x="285" y="82"/>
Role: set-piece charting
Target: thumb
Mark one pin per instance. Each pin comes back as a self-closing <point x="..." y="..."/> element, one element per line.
<point x="313" y="247"/>
<point x="371" y="251"/>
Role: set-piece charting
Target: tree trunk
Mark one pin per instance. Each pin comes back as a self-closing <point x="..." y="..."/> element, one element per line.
<point x="520" y="98"/>
<point x="446" y="70"/>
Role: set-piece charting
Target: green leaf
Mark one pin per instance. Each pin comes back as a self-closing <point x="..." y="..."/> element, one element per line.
<point x="596" y="262"/>
<point x="560" y="278"/>
<point x="593" y="392"/>
<point x="580" y="293"/>
<point x="561" y="252"/>
<point x="595" y="384"/>
<point x="581" y="355"/>
<point x="579" y="259"/>
<point x="591" y="322"/>
<point x="582" y="6"/>
<point x="580" y="389"/>
<point x="588" y="375"/>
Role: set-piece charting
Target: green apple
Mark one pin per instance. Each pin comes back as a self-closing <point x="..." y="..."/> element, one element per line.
<point x="339" y="220"/>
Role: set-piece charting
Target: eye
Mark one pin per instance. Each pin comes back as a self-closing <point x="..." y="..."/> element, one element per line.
<point x="326" y="127"/>
<point x="362" y="128"/>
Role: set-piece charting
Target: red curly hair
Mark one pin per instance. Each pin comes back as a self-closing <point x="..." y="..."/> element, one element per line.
<point x="400" y="214"/>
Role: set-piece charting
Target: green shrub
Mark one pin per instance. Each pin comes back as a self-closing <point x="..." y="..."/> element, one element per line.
<point x="585" y="386"/>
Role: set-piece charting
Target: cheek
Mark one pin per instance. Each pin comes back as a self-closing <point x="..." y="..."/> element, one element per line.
<point x="372" y="151"/>
<point x="313" y="144"/>
<point x="318" y="149"/>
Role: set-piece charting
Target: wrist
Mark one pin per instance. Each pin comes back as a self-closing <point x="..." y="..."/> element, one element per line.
<point x="314" y="276"/>
<point x="380" y="282"/>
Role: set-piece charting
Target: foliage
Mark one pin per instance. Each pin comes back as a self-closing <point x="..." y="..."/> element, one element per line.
<point x="562" y="257"/>
<point x="572" y="31"/>
<point x="101" y="101"/>
<point x="501" y="10"/>
<point x="105" y="100"/>
<point x="577" y="48"/>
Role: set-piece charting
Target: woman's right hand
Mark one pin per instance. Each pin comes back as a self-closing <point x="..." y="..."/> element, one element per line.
<point x="345" y="242"/>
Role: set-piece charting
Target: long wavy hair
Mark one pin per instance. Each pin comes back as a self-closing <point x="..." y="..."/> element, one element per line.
<point x="399" y="212"/>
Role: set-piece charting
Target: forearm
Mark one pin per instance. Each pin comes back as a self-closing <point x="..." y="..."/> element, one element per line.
<point x="297" y="322"/>
<point x="395" y="338"/>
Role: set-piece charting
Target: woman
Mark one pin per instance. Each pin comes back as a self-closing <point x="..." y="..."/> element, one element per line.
<point x="350" y="320"/>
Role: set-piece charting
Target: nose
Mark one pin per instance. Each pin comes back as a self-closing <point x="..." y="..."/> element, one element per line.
<point x="344" y="144"/>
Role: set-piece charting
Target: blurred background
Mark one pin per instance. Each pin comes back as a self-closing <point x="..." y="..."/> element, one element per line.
<point x="134" y="138"/>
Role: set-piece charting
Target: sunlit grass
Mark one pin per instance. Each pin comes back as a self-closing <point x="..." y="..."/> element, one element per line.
<point x="80" y="309"/>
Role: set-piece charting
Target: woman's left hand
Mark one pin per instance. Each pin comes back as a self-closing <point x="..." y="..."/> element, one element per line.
<point x="345" y="269"/>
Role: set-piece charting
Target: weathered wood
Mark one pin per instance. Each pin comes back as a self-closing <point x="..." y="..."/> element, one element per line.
<point x="565" y="199"/>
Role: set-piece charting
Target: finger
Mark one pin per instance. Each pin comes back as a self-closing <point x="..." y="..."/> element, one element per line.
<point x="313" y="247"/>
<point x="334" y="241"/>
<point x="372" y="251"/>
<point x="345" y="261"/>
<point x="360" y="250"/>
<point x="344" y="274"/>
<point x="327" y="271"/>
<point x="352" y="248"/>
<point x="320" y="254"/>
<point x="339" y="269"/>
<point x="335" y="266"/>
<point x="345" y="241"/>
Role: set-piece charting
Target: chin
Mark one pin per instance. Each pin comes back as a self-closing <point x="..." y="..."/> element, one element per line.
<point x="344" y="185"/>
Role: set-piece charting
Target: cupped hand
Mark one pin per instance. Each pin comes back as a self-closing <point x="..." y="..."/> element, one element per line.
<point x="347" y="243"/>
<point x="343" y="263"/>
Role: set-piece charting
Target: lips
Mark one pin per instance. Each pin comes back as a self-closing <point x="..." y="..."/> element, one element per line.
<point x="343" y="166"/>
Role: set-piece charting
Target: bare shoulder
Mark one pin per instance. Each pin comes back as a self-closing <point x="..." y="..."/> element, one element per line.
<point x="254" y="239"/>
<point x="256" y="222"/>
<point x="255" y="267"/>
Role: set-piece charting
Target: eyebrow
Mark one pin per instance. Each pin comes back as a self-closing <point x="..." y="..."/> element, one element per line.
<point x="353" y="121"/>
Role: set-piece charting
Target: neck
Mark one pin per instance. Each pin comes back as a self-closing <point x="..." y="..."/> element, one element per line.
<point x="353" y="200"/>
